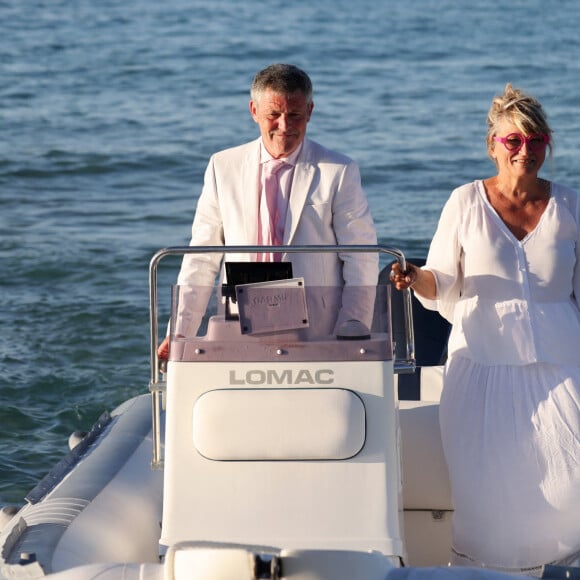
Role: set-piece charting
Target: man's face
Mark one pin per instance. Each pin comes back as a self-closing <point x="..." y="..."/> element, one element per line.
<point x="282" y="120"/>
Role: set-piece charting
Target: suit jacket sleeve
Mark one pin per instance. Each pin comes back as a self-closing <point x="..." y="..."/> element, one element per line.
<point x="353" y="224"/>
<point x="198" y="273"/>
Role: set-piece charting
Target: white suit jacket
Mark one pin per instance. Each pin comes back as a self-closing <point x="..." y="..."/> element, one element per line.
<point x="326" y="206"/>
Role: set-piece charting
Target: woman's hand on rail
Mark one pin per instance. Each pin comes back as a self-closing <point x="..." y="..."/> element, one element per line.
<point x="403" y="279"/>
<point x="421" y="281"/>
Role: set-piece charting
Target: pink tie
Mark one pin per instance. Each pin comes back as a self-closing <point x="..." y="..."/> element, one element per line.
<point x="272" y="186"/>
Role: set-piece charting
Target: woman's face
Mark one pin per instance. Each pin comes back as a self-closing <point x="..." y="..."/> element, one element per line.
<point x="525" y="161"/>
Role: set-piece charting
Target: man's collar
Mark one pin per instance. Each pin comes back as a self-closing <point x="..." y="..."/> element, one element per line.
<point x="291" y="159"/>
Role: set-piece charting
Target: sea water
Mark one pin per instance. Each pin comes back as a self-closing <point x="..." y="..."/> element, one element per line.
<point x="110" y="110"/>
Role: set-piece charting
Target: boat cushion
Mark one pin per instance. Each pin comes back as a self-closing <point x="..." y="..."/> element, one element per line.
<point x="189" y="560"/>
<point x="278" y="424"/>
<point x="425" y="477"/>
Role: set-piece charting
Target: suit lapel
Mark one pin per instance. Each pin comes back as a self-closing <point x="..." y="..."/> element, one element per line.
<point x="251" y="192"/>
<point x="301" y="184"/>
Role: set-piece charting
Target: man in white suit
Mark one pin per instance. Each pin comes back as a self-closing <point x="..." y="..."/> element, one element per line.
<point x="320" y="201"/>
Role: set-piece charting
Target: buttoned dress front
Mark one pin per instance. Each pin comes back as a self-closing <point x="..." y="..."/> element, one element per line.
<point x="510" y="407"/>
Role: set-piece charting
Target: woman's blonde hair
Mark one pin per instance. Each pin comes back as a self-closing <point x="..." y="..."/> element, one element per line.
<point x="523" y="110"/>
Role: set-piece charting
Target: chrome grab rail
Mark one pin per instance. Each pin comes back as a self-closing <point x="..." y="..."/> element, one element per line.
<point x="157" y="387"/>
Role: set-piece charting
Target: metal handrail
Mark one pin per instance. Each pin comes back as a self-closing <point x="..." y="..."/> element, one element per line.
<point x="157" y="387"/>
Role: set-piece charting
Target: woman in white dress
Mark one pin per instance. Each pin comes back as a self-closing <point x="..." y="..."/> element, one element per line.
<point x="504" y="269"/>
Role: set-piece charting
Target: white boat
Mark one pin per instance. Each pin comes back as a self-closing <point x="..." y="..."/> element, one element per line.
<point x="268" y="449"/>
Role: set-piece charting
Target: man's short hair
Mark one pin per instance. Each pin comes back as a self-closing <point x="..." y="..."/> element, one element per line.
<point x="284" y="79"/>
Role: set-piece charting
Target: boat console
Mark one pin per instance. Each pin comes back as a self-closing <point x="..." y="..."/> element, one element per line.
<point x="281" y="425"/>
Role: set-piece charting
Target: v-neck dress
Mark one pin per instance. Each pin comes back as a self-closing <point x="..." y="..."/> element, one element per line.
<point x="510" y="406"/>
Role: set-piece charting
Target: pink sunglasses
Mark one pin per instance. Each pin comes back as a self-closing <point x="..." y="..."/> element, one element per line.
<point x="515" y="141"/>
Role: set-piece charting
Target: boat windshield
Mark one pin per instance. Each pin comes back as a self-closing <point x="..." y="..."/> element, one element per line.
<point x="249" y="319"/>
